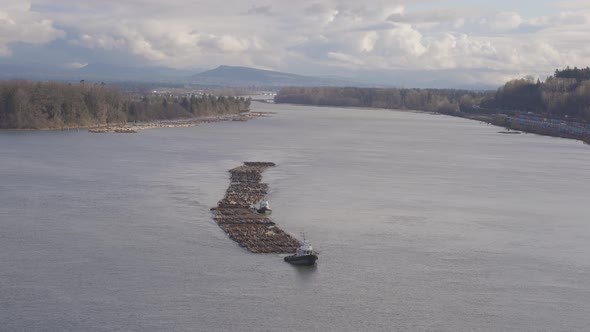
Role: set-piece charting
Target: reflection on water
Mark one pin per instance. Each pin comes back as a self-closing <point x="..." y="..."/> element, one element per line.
<point x="423" y="222"/>
<point x="305" y="271"/>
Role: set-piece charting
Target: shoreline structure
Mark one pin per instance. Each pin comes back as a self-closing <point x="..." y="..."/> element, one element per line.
<point x="235" y="216"/>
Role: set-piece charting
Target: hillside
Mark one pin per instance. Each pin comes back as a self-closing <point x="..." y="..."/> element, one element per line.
<point x="245" y="76"/>
<point x="92" y="72"/>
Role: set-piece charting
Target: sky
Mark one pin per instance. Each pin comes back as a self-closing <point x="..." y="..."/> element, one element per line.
<point x="459" y="41"/>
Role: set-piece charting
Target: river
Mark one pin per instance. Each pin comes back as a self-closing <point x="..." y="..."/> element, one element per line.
<point x="423" y="223"/>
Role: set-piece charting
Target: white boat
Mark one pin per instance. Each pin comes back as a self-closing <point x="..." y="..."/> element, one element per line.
<point x="264" y="207"/>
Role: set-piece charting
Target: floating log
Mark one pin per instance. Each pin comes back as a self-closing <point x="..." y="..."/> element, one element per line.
<point x="125" y="130"/>
<point x="260" y="238"/>
<point x="259" y="163"/>
<point x="236" y="215"/>
<point x="135" y="127"/>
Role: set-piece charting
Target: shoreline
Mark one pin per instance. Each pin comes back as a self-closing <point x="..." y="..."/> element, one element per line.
<point x="490" y="119"/>
<point x="130" y="128"/>
<point x="134" y="127"/>
<point x="512" y="127"/>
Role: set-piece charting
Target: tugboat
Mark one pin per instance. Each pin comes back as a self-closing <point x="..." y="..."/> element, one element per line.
<point x="304" y="255"/>
<point x="264" y="208"/>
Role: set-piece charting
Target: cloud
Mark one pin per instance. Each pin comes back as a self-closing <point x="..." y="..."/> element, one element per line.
<point x="229" y="43"/>
<point x="347" y="58"/>
<point x="503" y="21"/>
<point x="260" y="10"/>
<point x="19" y="24"/>
<point x="99" y="41"/>
<point x="75" y="65"/>
<point x="368" y="41"/>
<point x="308" y="37"/>
<point x="432" y="15"/>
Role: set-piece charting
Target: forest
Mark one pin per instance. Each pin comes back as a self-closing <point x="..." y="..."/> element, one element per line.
<point x="53" y="105"/>
<point x="566" y="94"/>
<point x="446" y="101"/>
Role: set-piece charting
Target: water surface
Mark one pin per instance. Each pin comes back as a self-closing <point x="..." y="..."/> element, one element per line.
<point x="423" y="223"/>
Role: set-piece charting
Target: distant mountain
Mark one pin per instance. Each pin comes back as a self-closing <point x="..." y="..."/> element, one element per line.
<point x="29" y="72"/>
<point x="93" y="72"/>
<point x="239" y="77"/>
<point x="232" y="76"/>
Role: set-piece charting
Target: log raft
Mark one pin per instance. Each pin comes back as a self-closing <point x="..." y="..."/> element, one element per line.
<point x="235" y="216"/>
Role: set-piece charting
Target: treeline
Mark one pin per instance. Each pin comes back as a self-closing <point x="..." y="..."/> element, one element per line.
<point x="566" y="94"/>
<point x="167" y="107"/>
<point x="35" y="105"/>
<point x="577" y="73"/>
<point x="446" y="101"/>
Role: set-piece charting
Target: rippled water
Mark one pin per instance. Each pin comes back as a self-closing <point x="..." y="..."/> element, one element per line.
<point x="423" y="223"/>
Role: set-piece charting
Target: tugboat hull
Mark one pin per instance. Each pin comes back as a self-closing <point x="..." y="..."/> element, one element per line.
<point x="264" y="210"/>
<point x="301" y="260"/>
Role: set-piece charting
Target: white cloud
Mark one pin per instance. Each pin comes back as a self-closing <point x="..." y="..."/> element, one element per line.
<point x="503" y="21"/>
<point x="19" y="24"/>
<point x="99" y="41"/>
<point x="368" y="41"/>
<point x="344" y="58"/>
<point x="228" y="43"/>
<point x="309" y="37"/>
<point x="75" y="65"/>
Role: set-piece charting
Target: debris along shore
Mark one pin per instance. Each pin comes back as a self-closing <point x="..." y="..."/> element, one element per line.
<point x="135" y="127"/>
<point x="235" y="215"/>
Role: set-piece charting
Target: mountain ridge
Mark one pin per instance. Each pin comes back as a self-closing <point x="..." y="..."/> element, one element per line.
<point x="226" y="76"/>
<point x="247" y="76"/>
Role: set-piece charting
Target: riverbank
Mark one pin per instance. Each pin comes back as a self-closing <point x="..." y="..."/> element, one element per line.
<point x="534" y="125"/>
<point x="500" y="120"/>
<point x="235" y="216"/>
<point x="135" y="127"/>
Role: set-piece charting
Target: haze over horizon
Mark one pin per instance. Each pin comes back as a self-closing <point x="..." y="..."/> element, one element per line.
<point x="399" y="42"/>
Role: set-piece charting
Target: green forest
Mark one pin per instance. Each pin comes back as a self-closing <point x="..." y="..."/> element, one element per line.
<point x="564" y="94"/>
<point x="53" y="105"/>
